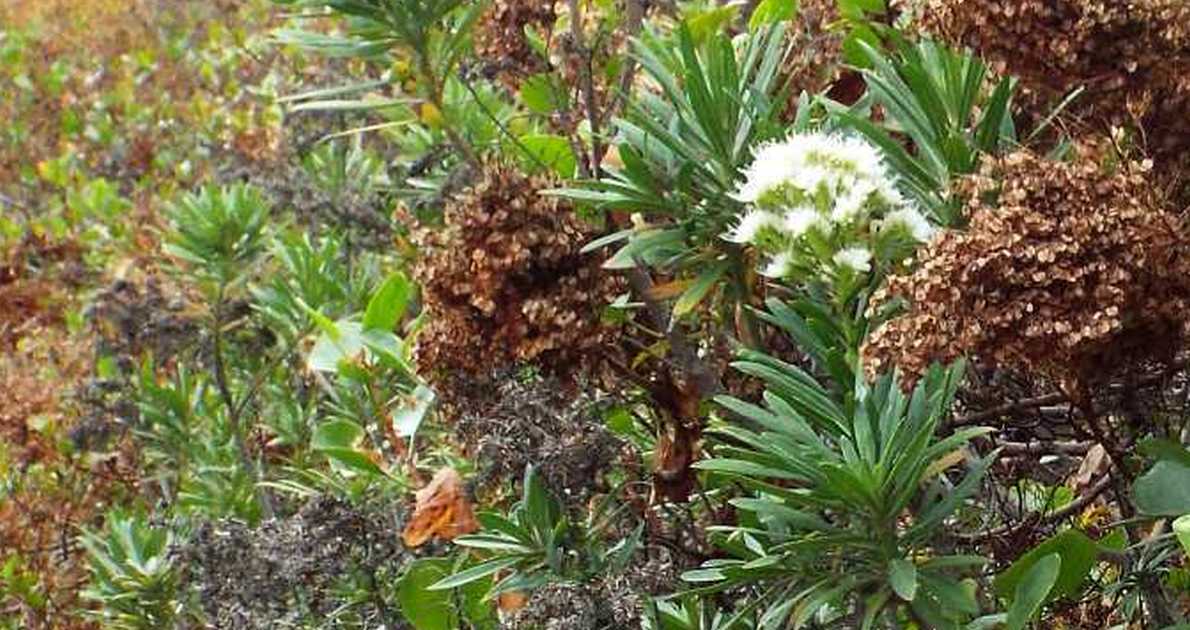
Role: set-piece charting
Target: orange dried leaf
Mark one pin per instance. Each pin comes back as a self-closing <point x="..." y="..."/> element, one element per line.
<point x="511" y="601"/>
<point x="441" y="509"/>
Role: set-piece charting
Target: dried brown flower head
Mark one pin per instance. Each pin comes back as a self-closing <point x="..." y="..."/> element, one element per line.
<point x="818" y="57"/>
<point x="500" y="38"/>
<point x="1132" y="56"/>
<point x="505" y="281"/>
<point x="1064" y="271"/>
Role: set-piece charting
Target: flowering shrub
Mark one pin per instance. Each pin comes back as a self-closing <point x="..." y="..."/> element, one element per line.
<point x="825" y="207"/>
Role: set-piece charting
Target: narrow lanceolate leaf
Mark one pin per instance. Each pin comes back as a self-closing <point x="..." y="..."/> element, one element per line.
<point x="477" y="572"/>
<point x="698" y="289"/>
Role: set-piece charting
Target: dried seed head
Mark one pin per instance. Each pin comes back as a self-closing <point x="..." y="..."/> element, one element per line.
<point x="1133" y="59"/>
<point x="1063" y="270"/>
<point x="505" y="282"/>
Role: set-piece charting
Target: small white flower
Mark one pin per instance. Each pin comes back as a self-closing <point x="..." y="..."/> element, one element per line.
<point x="772" y="166"/>
<point x="850" y="205"/>
<point x="808" y="161"/>
<point x="854" y="258"/>
<point x="861" y="156"/>
<point x="752" y="224"/>
<point x="890" y="194"/>
<point x="912" y="221"/>
<point x="801" y="220"/>
<point x="779" y="266"/>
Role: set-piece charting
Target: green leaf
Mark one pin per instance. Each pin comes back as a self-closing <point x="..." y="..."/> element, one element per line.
<point x="540" y="508"/>
<point x="853" y="52"/>
<point x="353" y="460"/>
<point x="408" y="418"/>
<point x="704" y="24"/>
<point x="477" y="572"/>
<point x="337" y="434"/>
<point x="902" y="576"/>
<point x="1078" y="554"/>
<point x="1165" y="449"/>
<point x="552" y="151"/>
<point x="772" y="11"/>
<point x="349" y="105"/>
<point x="1181" y="528"/>
<point x="1033" y="590"/>
<point x="541" y="95"/>
<point x="699" y="288"/>
<point x="423" y="608"/>
<point x="1164" y="490"/>
<point x="343" y="343"/>
<point x="855" y="9"/>
<point x="388" y="304"/>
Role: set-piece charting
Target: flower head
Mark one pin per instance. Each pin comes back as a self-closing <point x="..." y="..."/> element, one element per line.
<point x="801" y="220"/>
<point x="779" y="266"/>
<point x="772" y="167"/>
<point x="753" y="225"/>
<point x="857" y="259"/>
<point x="808" y="161"/>
<point x="851" y="204"/>
<point x="910" y="220"/>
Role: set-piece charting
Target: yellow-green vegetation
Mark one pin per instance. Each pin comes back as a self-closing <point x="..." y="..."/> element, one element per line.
<point x="681" y="315"/>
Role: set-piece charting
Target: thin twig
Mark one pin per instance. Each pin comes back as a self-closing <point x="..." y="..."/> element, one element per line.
<point x="1057" y="397"/>
<point x="500" y="125"/>
<point x="1042" y="447"/>
<point x="233" y="410"/>
<point x="1039" y="517"/>
<point x="586" y="86"/>
<point x="685" y="354"/>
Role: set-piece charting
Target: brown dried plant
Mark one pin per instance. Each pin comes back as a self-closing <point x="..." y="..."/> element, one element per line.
<point x="1132" y="57"/>
<point x="501" y="40"/>
<point x="1064" y="271"/>
<point x="506" y="283"/>
<point x="817" y="61"/>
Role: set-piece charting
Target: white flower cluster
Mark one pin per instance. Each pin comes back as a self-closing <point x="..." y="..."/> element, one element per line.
<point x="826" y="203"/>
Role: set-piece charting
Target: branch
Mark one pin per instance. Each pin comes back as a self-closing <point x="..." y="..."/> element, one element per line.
<point x="586" y="85"/>
<point x="1043" y="448"/>
<point x="1056" y="398"/>
<point x="1039" y="518"/>
<point x="684" y="353"/>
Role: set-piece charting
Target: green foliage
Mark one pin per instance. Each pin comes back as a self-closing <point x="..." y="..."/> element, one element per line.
<point x="132" y="579"/>
<point x="310" y="276"/>
<point x="682" y="151"/>
<point x="537" y="543"/>
<point x="938" y="100"/>
<point x="691" y="613"/>
<point x="1181" y="528"/>
<point x="770" y="11"/>
<point x="835" y="540"/>
<point x="218" y="231"/>
<point x="441" y="609"/>
<point x="1165" y="489"/>
<point x="1077" y="552"/>
<point x="338" y="168"/>
<point x="1032" y="590"/>
<point x="191" y="447"/>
